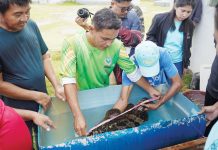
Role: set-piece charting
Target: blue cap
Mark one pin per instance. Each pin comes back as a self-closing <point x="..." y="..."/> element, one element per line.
<point x="147" y="55"/>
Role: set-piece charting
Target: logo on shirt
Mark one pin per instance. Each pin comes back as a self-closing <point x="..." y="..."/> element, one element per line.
<point x="154" y="81"/>
<point x="108" y="61"/>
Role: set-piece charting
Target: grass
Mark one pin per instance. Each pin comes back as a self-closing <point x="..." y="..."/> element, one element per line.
<point x="56" y="22"/>
<point x="186" y="82"/>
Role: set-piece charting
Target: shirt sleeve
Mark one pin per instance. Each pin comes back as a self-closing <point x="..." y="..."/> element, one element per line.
<point x="197" y="12"/>
<point x="125" y="80"/>
<point x="128" y="66"/>
<point x="136" y="23"/>
<point x="42" y="44"/>
<point x="167" y="64"/>
<point x="68" y="63"/>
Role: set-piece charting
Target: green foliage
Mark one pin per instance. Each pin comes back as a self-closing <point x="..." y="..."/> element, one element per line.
<point x="186" y="81"/>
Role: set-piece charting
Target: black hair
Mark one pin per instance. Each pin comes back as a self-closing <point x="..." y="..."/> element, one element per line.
<point x="106" y="19"/>
<point x="182" y="3"/>
<point x="5" y="4"/>
<point x="185" y="23"/>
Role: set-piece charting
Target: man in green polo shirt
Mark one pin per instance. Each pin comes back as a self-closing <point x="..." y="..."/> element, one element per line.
<point x="89" y="58"/>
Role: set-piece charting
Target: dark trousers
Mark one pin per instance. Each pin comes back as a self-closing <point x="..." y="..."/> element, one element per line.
<point x="209" y="100"/>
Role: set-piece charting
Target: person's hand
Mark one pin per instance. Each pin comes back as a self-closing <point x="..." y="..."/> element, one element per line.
<point x="59" y="93"/>
<point x="154" y="105"/>
<point x="211" y="113"/>
<point x="151" y="106"/>
<point x="154" y="93"/>
<point x="80" y="125"/>
<point x="43" y="99"/>
<point x="82" y="22"/>
<point x="43" y="121"/>
<point x="121" y="104"/>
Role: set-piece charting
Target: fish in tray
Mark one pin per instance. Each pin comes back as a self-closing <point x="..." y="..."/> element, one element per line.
<point x="133" y="116"/>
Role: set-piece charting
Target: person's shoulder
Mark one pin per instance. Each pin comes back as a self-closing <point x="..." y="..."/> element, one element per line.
<point x="75" y="37"/>
<point x="31" y="23"/>
<point x="163" y="51"/>
<point x="161" y="15"/>
<point x="132" y="15"/>
<point x="191" y="24"/>
<point x="73" y="42"/>
<point x="164" y="55"/>
<point x="137" y="9"/>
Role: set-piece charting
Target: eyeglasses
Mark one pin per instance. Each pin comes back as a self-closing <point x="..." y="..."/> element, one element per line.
<point x="123" y="9"/>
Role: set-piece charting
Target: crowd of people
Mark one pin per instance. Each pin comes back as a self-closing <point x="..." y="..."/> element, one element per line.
<point x="112" y="43"/>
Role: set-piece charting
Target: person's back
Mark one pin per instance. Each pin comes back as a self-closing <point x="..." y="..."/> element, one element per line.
<point x="14" y="134"/>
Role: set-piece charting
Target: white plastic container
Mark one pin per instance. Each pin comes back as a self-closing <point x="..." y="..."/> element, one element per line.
<point x="204" y="76"/>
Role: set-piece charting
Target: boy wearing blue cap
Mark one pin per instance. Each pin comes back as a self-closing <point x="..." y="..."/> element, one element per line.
<point x="157" y="67"/>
